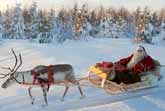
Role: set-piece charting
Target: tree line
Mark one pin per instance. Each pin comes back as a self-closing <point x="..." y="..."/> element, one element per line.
<point x="80" y="23"/>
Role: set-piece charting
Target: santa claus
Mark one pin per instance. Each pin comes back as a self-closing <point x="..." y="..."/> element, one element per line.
<point x="128" y="69"/>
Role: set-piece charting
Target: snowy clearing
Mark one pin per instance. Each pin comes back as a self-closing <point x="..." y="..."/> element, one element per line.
<point x="81" y="55"/>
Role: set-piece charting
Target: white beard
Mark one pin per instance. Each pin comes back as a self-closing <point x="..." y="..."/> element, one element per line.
<point x="137" y="57"/>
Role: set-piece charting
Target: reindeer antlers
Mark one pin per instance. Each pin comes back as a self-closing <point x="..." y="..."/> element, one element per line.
<point x="4" y="75"/>
<point x="16" y="60"/>
<point x="14" y="69"/>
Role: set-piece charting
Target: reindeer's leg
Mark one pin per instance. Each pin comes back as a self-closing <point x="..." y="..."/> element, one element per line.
<point x="66" y="90"/>
<point x="79" y="88"/>
<point x="30" y="95"/>
<point x="44" y="89"/>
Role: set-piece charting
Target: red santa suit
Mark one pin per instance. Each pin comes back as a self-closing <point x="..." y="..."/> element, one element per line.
<point x="128" y="69"/>
<point x="144" y="65"/>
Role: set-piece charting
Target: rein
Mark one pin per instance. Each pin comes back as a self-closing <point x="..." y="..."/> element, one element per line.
<point x="63" y="83"/>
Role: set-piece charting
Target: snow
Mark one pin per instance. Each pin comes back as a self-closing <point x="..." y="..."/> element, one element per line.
<point x="159" y="40"/>
<point x="81" y="54"/>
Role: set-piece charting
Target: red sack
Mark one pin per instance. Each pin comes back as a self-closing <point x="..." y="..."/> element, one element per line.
<point x="107" y="64"/>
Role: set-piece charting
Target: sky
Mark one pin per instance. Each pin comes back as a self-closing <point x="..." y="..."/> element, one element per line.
<point x="57" y="4"/>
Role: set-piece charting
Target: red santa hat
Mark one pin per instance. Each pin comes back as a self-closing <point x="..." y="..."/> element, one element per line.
<point x="140" y="48"/>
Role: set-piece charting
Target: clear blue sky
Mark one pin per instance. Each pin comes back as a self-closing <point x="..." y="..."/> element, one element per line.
<point x="46" y="4"/>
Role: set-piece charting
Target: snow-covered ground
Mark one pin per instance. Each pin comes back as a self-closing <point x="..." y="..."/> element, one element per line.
<point x="81" y="55"/>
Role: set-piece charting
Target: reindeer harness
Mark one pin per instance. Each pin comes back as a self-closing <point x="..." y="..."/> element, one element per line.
<point x="47" y="70"/>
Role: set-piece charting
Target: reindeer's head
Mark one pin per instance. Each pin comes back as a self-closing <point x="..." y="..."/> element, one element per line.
<point x="12" y="72"/>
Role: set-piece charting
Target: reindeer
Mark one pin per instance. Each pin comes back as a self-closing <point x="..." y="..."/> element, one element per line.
<point x="60" y="73"/>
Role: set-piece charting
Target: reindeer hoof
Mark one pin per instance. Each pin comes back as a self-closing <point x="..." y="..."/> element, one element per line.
<point x="32" y="102"/>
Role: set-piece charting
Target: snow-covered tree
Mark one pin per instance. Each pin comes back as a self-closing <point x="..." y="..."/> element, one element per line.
<point x="79" y="23"/>
<point x="53" y="24"/>
<point x="156" y="23"/>
<point x="17" y="28"/>
<point x="105" y="28"/>
<point x="7" y="24"/>
<point x="148" y="29"/>
<point x="163" y="30"/>
<point x="68" y="27"/>
<point x="162" y="14"/>
<point x="131" y="27"/>
<point x="27" y="24"/>
<point x="65" y="28"/>
<point x="163" y="26"/>
<point x="94" y="23"/>
<point x="147" y="36"/>
<point x="30" y="22"/>
<point x="76" y="16"/>
<point x="44" y="28"/>
<point x="85" y="31"/>
<point x="33" y="21"/>
<point x="1" y="25"/>
<point x="85" y="26"/>
<point x="119" y="27"/>
<point x="139" y="25"/>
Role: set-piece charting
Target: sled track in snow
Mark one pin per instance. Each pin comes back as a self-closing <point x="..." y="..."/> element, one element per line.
<point x="11" y="103"/>
<point x="112" y="99"/>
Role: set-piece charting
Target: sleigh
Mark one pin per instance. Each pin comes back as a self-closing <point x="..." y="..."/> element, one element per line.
<point x="149" y="79"/>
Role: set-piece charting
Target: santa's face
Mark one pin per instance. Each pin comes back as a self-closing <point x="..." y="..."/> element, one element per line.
<point x="138" y="56"/>
<point x="140" y="53"/>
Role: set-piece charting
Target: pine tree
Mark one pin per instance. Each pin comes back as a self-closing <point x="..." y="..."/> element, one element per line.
<point x="85" y="31"/>
<point x="61" y="26"/>
<point x="66" y="31"/>
<point x="110" y="13"/>
<point x="101" y="13"/>
<point x="33" y="21"/>
<point x="85" y="26"/>
<point x="30" y="22"/>
<point x="1" y="25"/>
<point x="94" y="23"/>
<point x="76" y="17"/>
<point x="61" y="30"/>
<point x="53" y="24"/>
<point x="27" y="24"/>
<point x="162" y="15"/>
<point x="105" y="28"/>
<point x="17" y="30"/>
<point x="156" y="23"/>
<point x="131" y="27"/>
<point x="148" y="30"/>
<point x="44" y="28"/>
<point x="139" y="25"/>
<point x="6" y="24"/>
<point x="68" y="27"/>
<point x="119" y="26"/>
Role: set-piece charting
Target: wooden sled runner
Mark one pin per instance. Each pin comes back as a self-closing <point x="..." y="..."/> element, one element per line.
<point x="96" y="76"/>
